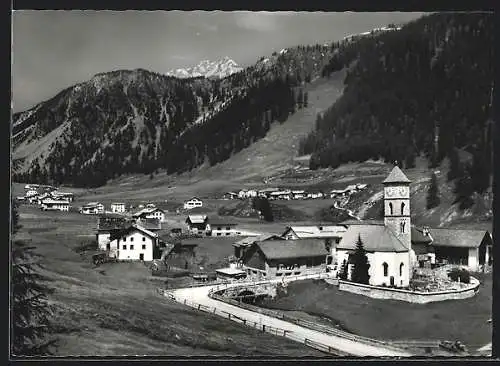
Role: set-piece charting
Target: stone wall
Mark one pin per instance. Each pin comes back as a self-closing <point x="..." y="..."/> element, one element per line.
<point x="417" y="297"/>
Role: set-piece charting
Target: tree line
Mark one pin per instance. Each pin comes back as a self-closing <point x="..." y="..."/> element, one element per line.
<point x="422" y="90"/>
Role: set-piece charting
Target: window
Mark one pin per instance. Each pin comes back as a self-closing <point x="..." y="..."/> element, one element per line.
<point x="219" y="228"/>
<point x="402" y="226"/>
<point x="131" y="238"/>
<point x="386" y="269"/>
<point x="228" y="234"/>
<point x="132" y="247"/>
<point x="390" y="208"/>
<point x="279" y="274"/>
<point x="402" y="208"/>
<point x="228" y="228"/>
<point x="143" y="246"/>
<point x="401" y="269"/>
<point x="124" y="247"/>
<point x="143" y="238"/>
<point x="296" y="273"/>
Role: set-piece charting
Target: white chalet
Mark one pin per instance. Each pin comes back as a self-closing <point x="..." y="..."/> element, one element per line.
<point x="57" y="205"/>
<point x="118" y="207"/>
<point x="133" y="243"/>
<point x="92" y="208"/>
<point x="192" y="203"/>
<point x="150" y="213"/>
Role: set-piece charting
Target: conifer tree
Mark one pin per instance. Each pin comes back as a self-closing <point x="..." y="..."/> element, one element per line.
<point x="433" y="199"/>
<point x="360" y="264"/>
<point x="30" y="313"/>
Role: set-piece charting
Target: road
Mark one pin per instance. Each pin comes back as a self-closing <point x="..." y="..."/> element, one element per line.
<point x="200" y="295"/>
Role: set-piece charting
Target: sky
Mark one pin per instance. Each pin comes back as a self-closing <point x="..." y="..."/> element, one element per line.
<point x="52" y="50"/>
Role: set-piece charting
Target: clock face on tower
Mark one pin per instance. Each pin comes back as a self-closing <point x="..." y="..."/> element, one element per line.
<point x="402" y="191"/>
<point x="390" y="191"/>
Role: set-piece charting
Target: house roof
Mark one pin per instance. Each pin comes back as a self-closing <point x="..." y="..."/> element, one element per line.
<point x="118" y="203"/>
<point x="193" y="199"/>
<point x="147" y="211"/>
<point x="197" y="219"/>
<point x="198" y="210"/>
<point x="396" y="176"/>
<point x="221" y="221"/>
<point x="108" y="222"/>
<point x="326" y="231"/>
<point x="150" y="224"/>
<point x="252" y="239"/>
<point x="458" y="238"/>
<point x="302" y="248"/>
<point x="375" y="238"/>
<point x="54" y="201"/>
<point x="230" y="271"/>
<point x="417" y="236"/>
<point x="130" y="229"/>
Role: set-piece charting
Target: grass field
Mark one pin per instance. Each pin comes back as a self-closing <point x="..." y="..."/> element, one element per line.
<point x="464" y="320"/>
<point x="113" y="309"/>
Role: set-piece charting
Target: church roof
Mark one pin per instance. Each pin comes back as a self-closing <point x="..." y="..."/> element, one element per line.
<point x="375" y="238"/>
<point x="396" y="176"/>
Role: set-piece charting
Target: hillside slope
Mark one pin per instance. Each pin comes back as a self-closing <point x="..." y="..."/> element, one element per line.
<point x="136" y="121"/>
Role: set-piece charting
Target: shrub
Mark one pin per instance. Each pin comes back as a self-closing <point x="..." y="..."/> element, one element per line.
<point x="462" y="274"/>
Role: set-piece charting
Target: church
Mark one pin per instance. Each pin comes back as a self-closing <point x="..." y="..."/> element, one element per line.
<point x="395" y="247"/>
<point x="387" y="243"/>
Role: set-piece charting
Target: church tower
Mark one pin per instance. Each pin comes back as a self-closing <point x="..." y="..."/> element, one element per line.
<point x="397" y="205"/>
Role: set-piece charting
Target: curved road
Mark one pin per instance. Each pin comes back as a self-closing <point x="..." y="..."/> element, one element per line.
<point x="200" y="295"/>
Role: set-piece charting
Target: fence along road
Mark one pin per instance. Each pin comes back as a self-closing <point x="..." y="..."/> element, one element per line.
<point x="198" y="298"/>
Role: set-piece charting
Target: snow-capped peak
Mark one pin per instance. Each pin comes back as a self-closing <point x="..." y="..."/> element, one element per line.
<point x="209" y="69"/>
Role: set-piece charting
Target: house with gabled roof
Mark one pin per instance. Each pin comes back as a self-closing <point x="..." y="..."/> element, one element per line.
<point x="133" y="243"/>
<point x="221" y="226"/>
<point x="334" y="232"/>
<point x="197" y="223"/>
<point x="242" y="245"/>
<point x="106" y="225"/>
<point x="150" y="213"/>
<point x="192" y="203"/>
<point x="282" y="258"/>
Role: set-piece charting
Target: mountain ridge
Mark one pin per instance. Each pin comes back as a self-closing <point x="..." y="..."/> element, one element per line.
<point x="208" y="69"/>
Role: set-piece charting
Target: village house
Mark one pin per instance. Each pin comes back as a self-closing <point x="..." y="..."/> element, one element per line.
<point x="281" y="195"/>
<point x="150" y="213"/>
<point x="92" y="208"/>
<point x="242" y="245"/>
<point x="468" y="248"/>
<point x="151" y="224"/>
<point x="197" y="223"/>
<point x="298" y="194"/>
<point x="230" y="274"/>
<point x="178" y="254"/>
<point x="118" y="207"/>
<point x="388" y="244"/>
<point x="266" y="192"/>
<point x="277" y="258"/>
<point x="133" y="243"/>
<point x="106" y="225"/>
<point x="334" y="232"/>
<point x="335" y="193"/>
<point x="315" y="195"/>
<point x="221" y="227"/>
<point x="62" y="195"/>
<point x="192" y="203"/>
<point x="230" y="196"/>
<point x="49" y="204"/>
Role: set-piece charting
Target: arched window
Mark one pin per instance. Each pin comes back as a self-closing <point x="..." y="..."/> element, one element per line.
<point x="390" y="208"/>
<point x="402" y="226"/>
<point x="401" y="269"/>
<point x="386" y="269"/>
<point x="402" y="208"/>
